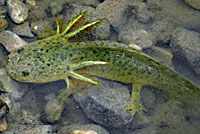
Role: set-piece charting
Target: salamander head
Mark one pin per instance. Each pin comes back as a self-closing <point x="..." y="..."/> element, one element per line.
<point x="28" y="66"/>
<point x="19" y="67"/>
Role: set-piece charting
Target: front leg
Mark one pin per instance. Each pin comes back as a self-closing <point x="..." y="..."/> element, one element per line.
<point x="71" y="88"/>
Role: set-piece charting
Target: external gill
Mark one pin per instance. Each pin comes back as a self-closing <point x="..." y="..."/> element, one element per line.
<point x="64" y="94"/>
<point x="81" y="31"/>
<point x="77" y="20"/>
<point x="74" y="29"/>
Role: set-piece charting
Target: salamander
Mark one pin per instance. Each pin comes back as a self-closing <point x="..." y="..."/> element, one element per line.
<point x="55" y="58"/>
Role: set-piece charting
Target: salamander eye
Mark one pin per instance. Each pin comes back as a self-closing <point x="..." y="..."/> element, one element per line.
<point x="25" y="73"/>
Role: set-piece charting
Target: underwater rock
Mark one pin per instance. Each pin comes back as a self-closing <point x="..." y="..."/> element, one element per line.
<point x="38" y="26"/>
<point x="92" y="3"/>
<point x="179" y="14"/>
<point x="53" y="110"/>
<point x="25" y="122"/>
<point x="31" y="2"/>
<point x="193" y="3"/>
<point x="160" y="31"/>
<point x="148" y="98"/>
<point x="42" y="129"/>
<point x="140" y="10"/>
<point x="23" y="30"/>
<point x="9" y="85"/>
<point x="82" y="129"/>
<point x="17" y="11"/>
<point x="3" y="125"/>
<point x="160" y="54"/>
<point x="2" y="2"/>
<point x="171" y="117"/>
<point x="154" y="4"/>
<point x="56" y="7"/>
<point x="106" y="104"/>
<point x="3" y="11"/>
<point x="139" y="37"/>
<point x="5" y="105"/>
<point x="11" y="41"/>
<point x="3" y="56"/>
<point x="113" y="11"/>
<point x="186" y="45"/>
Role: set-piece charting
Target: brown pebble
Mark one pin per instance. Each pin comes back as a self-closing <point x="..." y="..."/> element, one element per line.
<point x="3" y="125"/>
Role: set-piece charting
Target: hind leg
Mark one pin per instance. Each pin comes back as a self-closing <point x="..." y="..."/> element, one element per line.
<point x="135" y="104"/>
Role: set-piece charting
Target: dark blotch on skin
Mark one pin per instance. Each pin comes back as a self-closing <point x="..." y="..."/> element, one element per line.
<point x="94" y="51"/>
<point x="70" y="55"/>
<point x="25" y="73"/>
<point x="62" y="57"/>
<point x="20" y="50"/>
<point x="68" y="68"/>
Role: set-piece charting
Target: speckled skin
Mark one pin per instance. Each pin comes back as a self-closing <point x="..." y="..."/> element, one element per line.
<point x="3" y="24"/>
<point x="54" y="58"/>
<point x="49" y="60"/>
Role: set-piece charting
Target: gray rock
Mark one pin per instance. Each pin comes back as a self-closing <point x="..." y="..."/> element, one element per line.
<point x="56" y="7"/>
<point x="77" y="128"/>
<point x="38" y="27"/>
<point x="172" y="118"/>
<point x="43" y="129"/>
<point x="39" y="11"/>
<point x="161" y="31"/>
<point x="3" y="56"/>
<point x="154" y="4"/>
<point x="186" y="44"/>
<point x="139" y="37"/>
<point x="93" y="3"/>
<point x="113" y="11"/>
<point x="7" y="84"/>
<point x="106" y="104"/>
<point x="160" y="54"/>
<point x="6" y="105"/>
<point x="2" y="2"/>
<point x="11" y="41"/>
<point x="16" y="89"/>
<point x="17" y="11"/>
<point x="168" y="118"/>
<point x="53" y="110"/>
<point x="3" y="11"/>
<point x="140" y="10"/>
<point x="148" y="98"/>
<point x="193" y="3"/>
<point x="179" y="14"/>
<point x="23" y="30"/>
